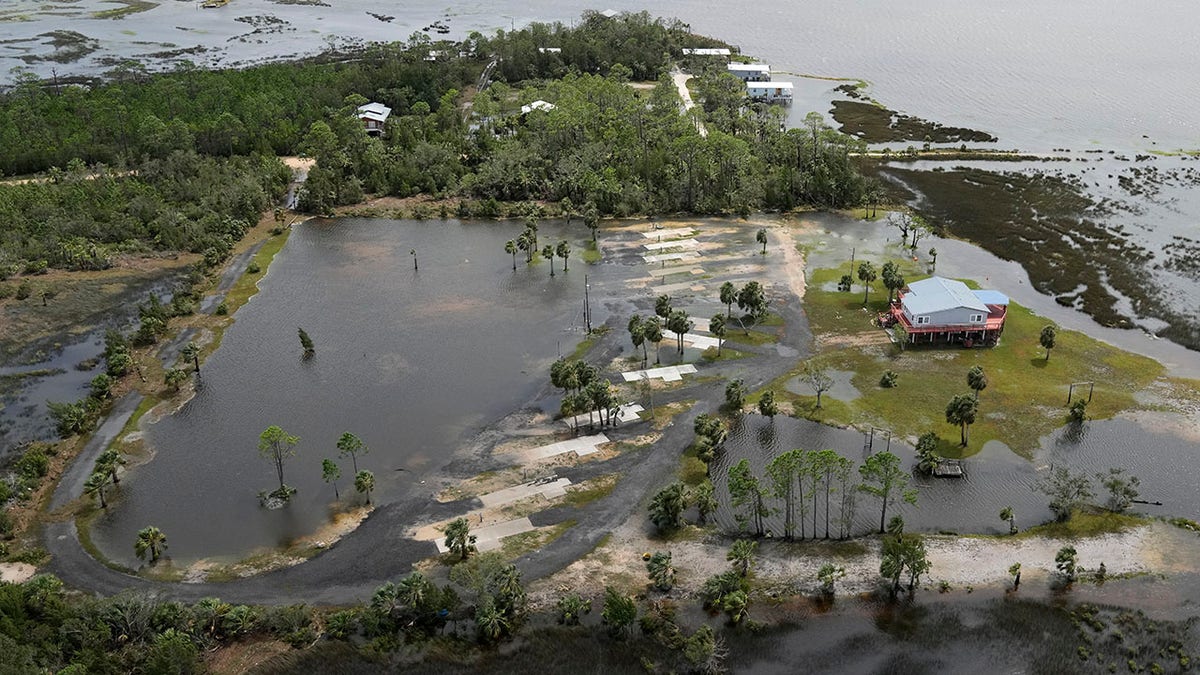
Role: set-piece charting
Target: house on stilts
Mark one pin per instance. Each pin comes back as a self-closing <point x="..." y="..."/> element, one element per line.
<point x="940" y="310"/>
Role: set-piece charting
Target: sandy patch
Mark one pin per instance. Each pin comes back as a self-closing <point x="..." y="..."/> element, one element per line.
<point x="792" y="567"/>
<point x="16" y="573"/>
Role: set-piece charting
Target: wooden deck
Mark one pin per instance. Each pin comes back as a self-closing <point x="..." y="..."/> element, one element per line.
<point x="949" y="468"/>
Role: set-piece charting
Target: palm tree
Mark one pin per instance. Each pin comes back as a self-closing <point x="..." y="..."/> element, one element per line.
<point x="660" y="570"/>
<point x="961" y="411"/>
<point x="716" y="326"/>
<point x="680" y="324"/>
<point x="977" y="380"/>
<point x="767" y="405"/>
<point x="150" y="540"/>
<point x="490" y="621"/>
<point x="662" y="306"/>
<point x="866" y="274"/>
<point x="364" y="482"/>
<point x="653" y="329"/>
<point x="741" y="555"/>
<point x="703" y="498"/>
<point x="96" y="484"/>
<point x="1047" y="339"/>
<point x="108" y="462"/>
<point x="548" y="253"/>
<point x="524" y="242"/>
<point x="459" y="539"/>
<point x="1007" y="514"/>
<point x="637" y="335"/>
<point x="728" y="296"/>
<point x="563" y="250"/>
<point x="510" y="247"/>
<point x="191" y="353"/>
<point x="761" y="238"/>
<point x="666" y="508"/>
<point x="350" y="445"/>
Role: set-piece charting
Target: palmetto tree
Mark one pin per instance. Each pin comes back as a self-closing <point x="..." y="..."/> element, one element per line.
<point x="661" y="571"/>
<point x="716" y="326"/>
<point x="150" y="540"/>
<point x="653" y="330"/>
<point x="96" y="484"/>
<point x="548" y="254"/>
<point x="510" y="247"/>
<point x="109" y="461"/>
<point x="761" y="238"/>
<point x="191" y="353"/>
<point x="729" y="296"/>
<point x="741" y="555"/>
<point x="961" y="410"/>
<point x="637" y="335"/>
<point x="364" y="482"/>
<point x="680" y="324"/>
<point x="866" y="274"/>
<point x="662" y="306"/>
<point x="977" y="380"/>
<point x="459" y="539"/>
<point x="563" y="250"/>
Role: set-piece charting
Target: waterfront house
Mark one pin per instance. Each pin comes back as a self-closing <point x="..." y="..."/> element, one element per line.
<point x="373" y="116"/>
<point x="750" y="72"/>
<point x="944" y="310"/>
<point x="706" y="51"/>
<point x="770" y="91"/>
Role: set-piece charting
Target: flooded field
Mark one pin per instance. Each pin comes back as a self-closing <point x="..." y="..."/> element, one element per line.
<point x="995" y="478"/>
<point x="411" y="361"/>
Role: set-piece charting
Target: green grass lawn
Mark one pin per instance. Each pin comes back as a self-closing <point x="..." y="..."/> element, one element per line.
<point x="1026" y="395"/>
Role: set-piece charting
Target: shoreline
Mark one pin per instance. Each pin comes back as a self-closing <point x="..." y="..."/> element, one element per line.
<point x="783" y="229"/>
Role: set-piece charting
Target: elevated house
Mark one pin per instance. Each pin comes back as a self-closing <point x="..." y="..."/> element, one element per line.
<point x="771" y="91"/>
<point x="750" y="72"/>
<point x="943" y="310"/>
<point x="721" y="52"/>
<point x="373" y="116"/>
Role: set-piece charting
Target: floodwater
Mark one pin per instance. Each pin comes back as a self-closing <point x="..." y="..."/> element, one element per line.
<point x="411" y="361"/>
<point x="995" y="477"/>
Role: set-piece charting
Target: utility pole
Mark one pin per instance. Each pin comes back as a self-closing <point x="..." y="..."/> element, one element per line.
<point x="413" y="252"/>
<point x="587" y="307"/>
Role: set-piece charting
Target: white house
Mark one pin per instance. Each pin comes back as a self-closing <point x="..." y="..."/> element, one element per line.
<point x="750" y="72"/>
<point x="944" y="310"/>
<point x="373" y="116"/>
<point x="770" y="91"/>
<point x="706" y="51"/>
<point x="537" y="105"/>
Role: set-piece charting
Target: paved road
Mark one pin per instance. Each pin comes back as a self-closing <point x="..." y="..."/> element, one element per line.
<point x="379" y="550"/>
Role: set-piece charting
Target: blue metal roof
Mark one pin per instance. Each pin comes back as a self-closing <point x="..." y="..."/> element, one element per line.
<point x="992" y="298"/>
<point x="937" y="294"/>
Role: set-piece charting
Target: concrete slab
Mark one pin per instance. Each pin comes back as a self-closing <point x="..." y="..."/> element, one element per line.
<point x="582" y="446"/>
<point x="678" y="243"/>
<point x="670" y="234"/>
<point x="488" y="538"/>
<point x="626" y="414"/>
<point x="693" y="339"/>
<point x="660" y="257"/>
<point x="549" y="488"/>
<point x="666" y="373"/>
